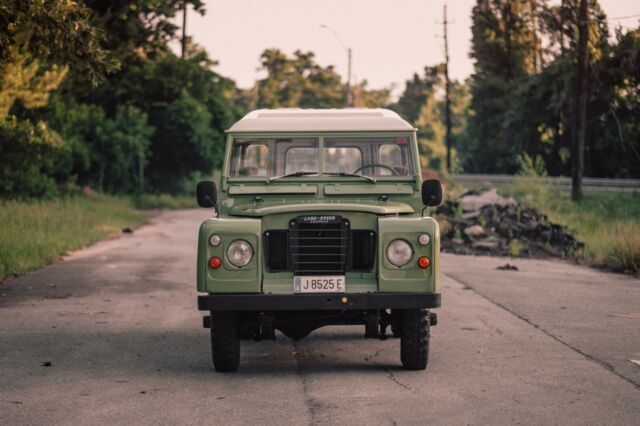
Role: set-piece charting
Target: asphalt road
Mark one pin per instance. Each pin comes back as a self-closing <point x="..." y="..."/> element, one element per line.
<point x="547" y="344"/>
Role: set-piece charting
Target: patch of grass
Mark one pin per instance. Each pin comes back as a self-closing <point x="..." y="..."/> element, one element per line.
<point x="165" y="201"/>
<point x="34" y="233"/>
<point x="514" y="249"/>
<point x="607" y="222"/>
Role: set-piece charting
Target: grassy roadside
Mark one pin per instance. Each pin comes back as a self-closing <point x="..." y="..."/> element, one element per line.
<point x="607" y="222"/>
<point x="35" y="233"/>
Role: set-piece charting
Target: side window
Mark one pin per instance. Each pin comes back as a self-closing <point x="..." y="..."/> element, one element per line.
<point x="256" y="161"/>
<point x="342" y="159"/>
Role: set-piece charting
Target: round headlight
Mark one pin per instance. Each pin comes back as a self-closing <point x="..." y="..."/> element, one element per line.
<point x="424" y="239"/>
<point x="215" y="240"/>
<point x="239" y="253"/>
<point x="399" y="252"/>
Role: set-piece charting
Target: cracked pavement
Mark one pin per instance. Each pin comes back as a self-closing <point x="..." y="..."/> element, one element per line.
<point x="548" y="344"/>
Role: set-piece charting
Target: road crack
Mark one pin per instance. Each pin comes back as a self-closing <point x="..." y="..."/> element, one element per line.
<point x="600" y="362"/>
<point x="389" y="373"/>
<point x="312" y="405"/>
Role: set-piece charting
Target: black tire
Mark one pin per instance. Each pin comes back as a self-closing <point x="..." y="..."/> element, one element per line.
<point x="414" y="343"/>
<point x="225" y="341"/>
<point x="294" y="332"/>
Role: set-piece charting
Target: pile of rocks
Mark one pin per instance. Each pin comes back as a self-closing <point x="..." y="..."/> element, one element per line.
<point x="484" y="222"/>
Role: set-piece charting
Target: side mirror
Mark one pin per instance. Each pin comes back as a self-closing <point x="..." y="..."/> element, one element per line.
<point x="431" y="193"/>
<point x="207" y="194"/>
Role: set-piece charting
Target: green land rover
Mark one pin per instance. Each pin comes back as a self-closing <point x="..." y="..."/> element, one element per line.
<point x="320" y="218"/>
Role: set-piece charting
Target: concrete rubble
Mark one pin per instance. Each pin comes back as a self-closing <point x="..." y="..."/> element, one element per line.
<point x="484" y="222"/>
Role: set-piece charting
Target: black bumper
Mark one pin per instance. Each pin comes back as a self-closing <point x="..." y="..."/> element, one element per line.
<point x="300" y="302"/>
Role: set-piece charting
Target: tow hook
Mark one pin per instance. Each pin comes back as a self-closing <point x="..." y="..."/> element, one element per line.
<point x="433" y="318"/>
<point x="266" y="322"/>
<point x="372" y="325"/>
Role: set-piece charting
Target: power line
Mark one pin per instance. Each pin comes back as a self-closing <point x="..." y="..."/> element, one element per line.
<point x="624" y="17"/>
<point x="349" y="98"/>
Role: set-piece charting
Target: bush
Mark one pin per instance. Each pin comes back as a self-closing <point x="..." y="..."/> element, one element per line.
<point x="106" y="153"/>
<point x="529" y="186"/>
<point x="29" y="154"/>
<point x="183" y="143"/>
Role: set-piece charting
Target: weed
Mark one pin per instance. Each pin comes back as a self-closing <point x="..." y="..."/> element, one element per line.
<point x="514" y="248"/>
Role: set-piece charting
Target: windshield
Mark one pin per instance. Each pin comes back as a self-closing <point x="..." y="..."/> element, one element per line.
<point x="367" y="156"/>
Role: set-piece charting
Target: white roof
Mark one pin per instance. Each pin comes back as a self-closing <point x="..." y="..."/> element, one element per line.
<point x="320" y="120"/>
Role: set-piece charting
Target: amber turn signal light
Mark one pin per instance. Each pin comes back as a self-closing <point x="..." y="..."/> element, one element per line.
<point x="215" y="262"/>
<point x="424" y="262"/>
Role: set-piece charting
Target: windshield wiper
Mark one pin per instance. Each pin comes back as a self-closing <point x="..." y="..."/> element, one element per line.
<point x="294" y="174"/>
<point x="347" y="174"/>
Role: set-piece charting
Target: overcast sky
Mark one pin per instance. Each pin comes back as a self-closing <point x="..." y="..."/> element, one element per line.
<point x="391" y="39"/>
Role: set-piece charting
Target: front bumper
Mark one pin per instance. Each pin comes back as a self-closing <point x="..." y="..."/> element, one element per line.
<point x="300" y="302"/>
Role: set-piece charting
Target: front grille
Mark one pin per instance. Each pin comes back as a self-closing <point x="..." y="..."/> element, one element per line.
<point x="319" y="244"/>
<point x="323" y="245"/>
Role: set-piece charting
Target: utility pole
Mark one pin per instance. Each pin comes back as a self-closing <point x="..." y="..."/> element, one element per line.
<point x="447" y="97"/>
<point x="348" y="101"/>
<point x="349" y="92"/>
<point x="184" y="29"/>
<point x="581" y="101"/>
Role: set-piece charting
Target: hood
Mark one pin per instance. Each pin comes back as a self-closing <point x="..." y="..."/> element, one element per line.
<point x="266" y="208"/>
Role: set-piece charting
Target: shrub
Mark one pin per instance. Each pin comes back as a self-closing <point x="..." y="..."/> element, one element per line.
<point x="29" y="153"/>
<point x="529" y="186"/>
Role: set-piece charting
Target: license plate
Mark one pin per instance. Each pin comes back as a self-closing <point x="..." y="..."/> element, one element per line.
<point x="319" y="284"/>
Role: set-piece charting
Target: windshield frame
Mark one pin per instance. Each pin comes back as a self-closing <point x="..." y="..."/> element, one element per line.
<point x="321" y="176"/>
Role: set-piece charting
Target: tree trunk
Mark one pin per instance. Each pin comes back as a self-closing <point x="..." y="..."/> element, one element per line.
<point x="508" y="23"/>
<point x="581" y="101"/>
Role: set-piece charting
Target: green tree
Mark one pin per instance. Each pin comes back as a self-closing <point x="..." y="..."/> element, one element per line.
<point x="53" y="31"/>
<point x="614" y="131"/>
<point x="422" y="104"/>
<point x="24" y="81"/>
<point x="109" y="154"/>
<point x="127" y="114"/>
<point x="157" y="83"/>
<point x="183" y="143"/>
<point x="39" y="42"/>
<point x="503" y="36"/>
<point x="523" y="89"/>
<point x="370" y="98"/>
<point x="299" y="81"/>
<point x="415" y="94"/>
<point x="139" y="29"/>
<point x="28" y="156"/>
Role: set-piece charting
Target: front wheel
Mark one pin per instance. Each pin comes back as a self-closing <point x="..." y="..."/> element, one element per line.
<point x="225" y="341"/>
<point x="414" y="342"/>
